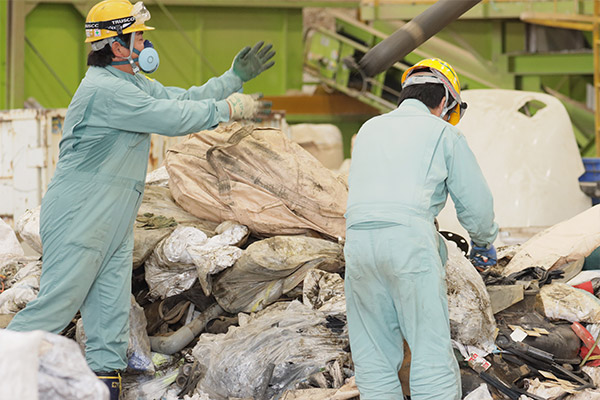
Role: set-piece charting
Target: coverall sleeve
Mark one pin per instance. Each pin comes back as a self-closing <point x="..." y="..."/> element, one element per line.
<point x="471" y="194"/>
<point x="132" y="109"/>
<point x="217" y="88"/>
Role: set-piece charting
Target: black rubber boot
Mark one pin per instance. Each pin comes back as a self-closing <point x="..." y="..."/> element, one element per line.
<point x="113" y="381"/>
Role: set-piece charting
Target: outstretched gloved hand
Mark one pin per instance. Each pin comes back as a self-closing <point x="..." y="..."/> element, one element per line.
<point x="247" y="106"/>
<point x="249" y="63"/>
<point x="482" y="257"/>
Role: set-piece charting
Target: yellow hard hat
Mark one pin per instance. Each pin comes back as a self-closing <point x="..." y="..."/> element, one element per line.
<point x="110" y="18"/>
<point x="448" y="77"/>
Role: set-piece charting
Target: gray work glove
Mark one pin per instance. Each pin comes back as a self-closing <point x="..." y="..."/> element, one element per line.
<point x="247" y="106"/>
<point x="249" y="63"/>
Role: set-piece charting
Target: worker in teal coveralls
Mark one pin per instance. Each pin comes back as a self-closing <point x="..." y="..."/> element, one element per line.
<point x="404" y="164"/>
<point x="92" y="201"/>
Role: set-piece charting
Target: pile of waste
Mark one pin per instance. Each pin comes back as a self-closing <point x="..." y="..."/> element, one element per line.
<point x="238" y="290"/>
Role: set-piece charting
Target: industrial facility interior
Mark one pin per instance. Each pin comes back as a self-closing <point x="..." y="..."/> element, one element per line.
<point x="530" y="73"/>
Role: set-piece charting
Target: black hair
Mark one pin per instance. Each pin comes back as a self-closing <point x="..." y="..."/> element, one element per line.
<point x="104" y="56"/>
<point x="430" y="94"/>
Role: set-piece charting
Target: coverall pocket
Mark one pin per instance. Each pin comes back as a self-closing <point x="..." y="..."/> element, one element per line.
<point x="409" y="258"/>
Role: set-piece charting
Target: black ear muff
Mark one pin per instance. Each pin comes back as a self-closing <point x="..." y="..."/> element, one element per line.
<point x="463" y="106"/>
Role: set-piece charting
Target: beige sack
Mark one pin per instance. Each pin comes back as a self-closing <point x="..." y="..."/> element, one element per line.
<point x="258" y="178"/>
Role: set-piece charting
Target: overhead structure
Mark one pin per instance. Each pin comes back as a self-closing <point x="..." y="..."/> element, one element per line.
<point x="410" y="36"/>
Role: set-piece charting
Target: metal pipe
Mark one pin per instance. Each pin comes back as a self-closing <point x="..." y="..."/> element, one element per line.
<point x="410" y="36"/>
<point x="184" y="335"/>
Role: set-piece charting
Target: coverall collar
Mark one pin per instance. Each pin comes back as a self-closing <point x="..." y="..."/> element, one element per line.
<point x="121" y="74"/>
<point x="414" y="103"/>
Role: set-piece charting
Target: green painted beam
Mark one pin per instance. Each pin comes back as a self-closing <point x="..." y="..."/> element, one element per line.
<point x="82" y="4"/>
<point x="3" y="51"/>
<point x="572" y="63"/>
<point x="490" y="9"/>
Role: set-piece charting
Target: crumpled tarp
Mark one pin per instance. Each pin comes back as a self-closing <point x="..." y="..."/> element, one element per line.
<point x="259" y="178"/>
<point x="46" y="366"/>
<point x="472" y="322"/>
<point x="267" y="353"/>
<point x="570" y="240"/>
<point x="272" y="267"/>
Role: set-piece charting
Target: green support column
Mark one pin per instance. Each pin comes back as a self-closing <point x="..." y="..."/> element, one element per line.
<point x="3" y="41"/>
<point x="15" y="54"/>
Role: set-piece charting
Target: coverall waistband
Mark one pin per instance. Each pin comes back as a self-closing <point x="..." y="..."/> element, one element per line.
<point x="83" y="176"/>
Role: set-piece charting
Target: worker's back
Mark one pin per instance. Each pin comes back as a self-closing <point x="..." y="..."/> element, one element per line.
<point x="404" y="164"/>
<point x="398" y="165"/>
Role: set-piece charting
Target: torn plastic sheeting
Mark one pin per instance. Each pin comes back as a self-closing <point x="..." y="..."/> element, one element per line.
<point x="170" y="270"/>
<point x="570" y="240"/>
<point x="472" y="322"/>
<point x="324" y="291"/>
<point x="46" y="366"/>
<point x="481" y="393"/>
<point x="188" y="254"/>
<point x="158" y="201"/>
<point x="149" y="388"/>
<point x="218" y="252"/>
<point x="562" y="301"/>
<point x="9" y="244"/>
<point x="24" y="287"/>
<point x="272" y="267"/>
<point x="139" y="356"/>
<point x="259" y="178"/>
<point x="267" y="353"/>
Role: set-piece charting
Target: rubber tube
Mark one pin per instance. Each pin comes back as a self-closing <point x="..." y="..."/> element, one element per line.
<point x="410" y="36"/>
<point x="184" y="335"/>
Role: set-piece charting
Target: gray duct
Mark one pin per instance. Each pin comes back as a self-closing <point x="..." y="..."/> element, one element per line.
<point x="410" y="36"/>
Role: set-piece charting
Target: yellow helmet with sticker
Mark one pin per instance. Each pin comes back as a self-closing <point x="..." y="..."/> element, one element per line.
<point x="445" y="74"/>
<point x="110" y="18"/>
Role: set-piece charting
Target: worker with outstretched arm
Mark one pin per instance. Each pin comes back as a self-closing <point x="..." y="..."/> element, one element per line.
<point x="404" y="165"/>
<point x="88" y="212"/>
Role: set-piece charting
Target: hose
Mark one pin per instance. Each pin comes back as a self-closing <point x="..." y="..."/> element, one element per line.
<point x="184" y="335"/>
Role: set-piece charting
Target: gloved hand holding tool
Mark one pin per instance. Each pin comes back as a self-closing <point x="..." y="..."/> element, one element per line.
<point x="482" y="257"/>
<point x="247" y="106"/>
<point x="249" y="63"/>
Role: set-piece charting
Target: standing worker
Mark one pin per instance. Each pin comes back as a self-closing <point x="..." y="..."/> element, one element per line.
<point x="404" y="164"/>
<point x="88" y="212"/>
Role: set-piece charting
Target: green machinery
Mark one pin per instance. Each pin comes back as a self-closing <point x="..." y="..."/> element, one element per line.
<point x="486" y="54"/>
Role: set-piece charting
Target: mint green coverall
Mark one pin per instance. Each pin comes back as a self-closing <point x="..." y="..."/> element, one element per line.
<point x="404" y="164"/>
<point x="88" y="212"/>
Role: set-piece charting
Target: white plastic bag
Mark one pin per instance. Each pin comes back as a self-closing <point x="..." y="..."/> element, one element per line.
<point x="9" y="244"/>
<point x="471" y="319"/>
<point x="45" y="366"/>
